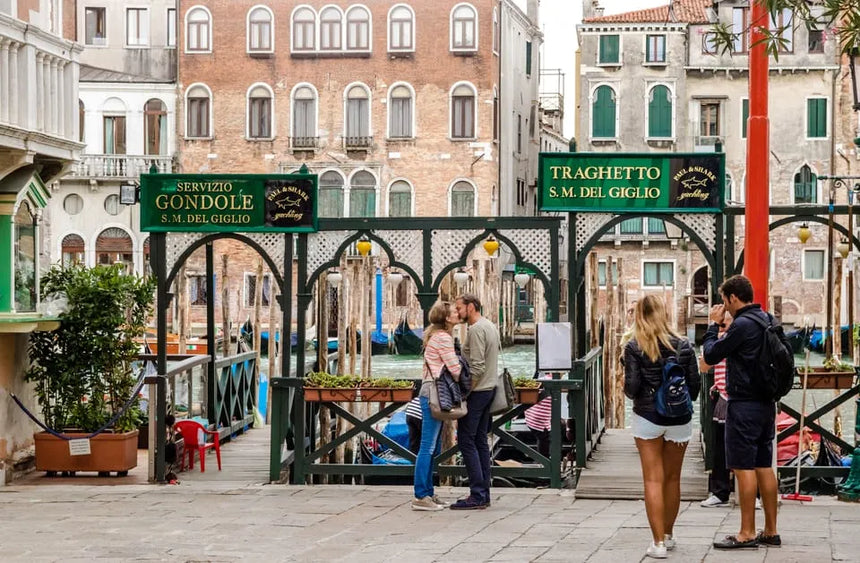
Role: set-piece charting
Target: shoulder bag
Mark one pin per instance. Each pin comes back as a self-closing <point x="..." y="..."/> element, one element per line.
<point x="457" y="411"/>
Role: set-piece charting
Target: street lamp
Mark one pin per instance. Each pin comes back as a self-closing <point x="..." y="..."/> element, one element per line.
<point x="853" y="55"/>
<point x="803" y="233"/>
<point x="363" y="245"/>
<point x="461" y="277"/>
<point x="491" y="245"/>
<point x="522" y="279"/>
<point x="334" y="278"/>
<point x="843" y="248"/>
<point x="394" y="278"/>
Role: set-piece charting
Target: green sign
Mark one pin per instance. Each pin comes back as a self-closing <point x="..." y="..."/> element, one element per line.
<point x="276" y="203"/>
<point x="620" y="183"/>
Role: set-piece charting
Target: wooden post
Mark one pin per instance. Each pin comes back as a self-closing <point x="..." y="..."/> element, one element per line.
<point x="608" y="395"/>
<point x="225" y="307"/>
<point x="367" y="277"/>
<point x="322" y="363"/>
<point x="258" y="304"/>
<point x="355" y="304"/>
<point x="182" y="302"/>
<point x="273" y="347"/>
<point x="595" y="296"/>
<point x="620" y="327"/>
<point x="837" y="308"/>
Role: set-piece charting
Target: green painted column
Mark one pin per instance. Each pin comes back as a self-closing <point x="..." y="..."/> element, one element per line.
<point x="7" y="264"/>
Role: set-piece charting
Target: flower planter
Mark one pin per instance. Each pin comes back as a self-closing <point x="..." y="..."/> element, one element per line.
<point x="526" y="395"/>
<point x="358" y="394"/>
<point x="108" y="452"/>
<point x="819" y="378"/>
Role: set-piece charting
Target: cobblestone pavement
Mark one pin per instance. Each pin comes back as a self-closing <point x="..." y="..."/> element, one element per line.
<point x="220" y="521"/>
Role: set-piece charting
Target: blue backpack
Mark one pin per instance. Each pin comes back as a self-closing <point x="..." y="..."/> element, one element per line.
<point x="672" y="399"/>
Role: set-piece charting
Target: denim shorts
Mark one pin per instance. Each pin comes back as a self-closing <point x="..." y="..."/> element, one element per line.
<point x="646" y="430"/>
<point x="750" y="428"/>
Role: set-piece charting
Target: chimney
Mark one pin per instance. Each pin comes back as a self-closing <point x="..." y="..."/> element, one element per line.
<point x="532" y="11"/>
<point x="591" y="9"/>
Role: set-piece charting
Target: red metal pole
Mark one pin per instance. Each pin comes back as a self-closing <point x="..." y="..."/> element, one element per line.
<point x="756" y="225"/>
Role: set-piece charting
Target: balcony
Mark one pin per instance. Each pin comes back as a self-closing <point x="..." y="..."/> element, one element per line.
<point x="119" y="166"/>
<point x="357" y="143"/>
<point x="304" y="143"/>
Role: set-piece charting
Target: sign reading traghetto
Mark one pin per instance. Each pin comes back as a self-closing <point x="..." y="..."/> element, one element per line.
<point x="619" y="183"/>
<point x="281" y="203"/>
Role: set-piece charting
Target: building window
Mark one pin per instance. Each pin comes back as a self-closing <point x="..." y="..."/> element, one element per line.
<point x="401" y="29"/>
<point x="495" y="114"/>
<point x="745" y="116"/>
<point x="198" y="290"/>
<point x="729" y="187"/>
<point x="783" y="28"/>
<point x="813" y="265"/>
<point x="112" y="204"/>
<point x="260" y="30"/>
<point x="660" y="112"/>
<point x="816" y="41"/>
<point x="655" y="49"/>
<point x="400" y="113"/>
<point x="631" y="226"/>
<point x="25" y="259"/>
<point x="709" y="119"/>
<point x="155" y="127"/>
<point x="656" y="226"/>
<point x="740" y="29"/>
<point x="805" y="186"/>
<point x="198" y="30"/>
<point x="331" y="194"/>
<point x="358" y="29"/>
<point x="73" y="204"/>
<point x="304" y="22"/>
<point x="709" y="43"/>
<point x="601" y="273"/>
<point x="464" y="28"/>
<point x="260" y="113"/>
<point x="463" y="112"/>
<point x="519" y="133"/>
<point x="608" y="50"/>
<point x="497" y="32"/>
<point x="304" y="117"/>
<point x="171" y="27"/>
<point x="462" y="199"/>
<point x="72" y="249"/>
<point x="114" y="134"/>
<point x="94" y="22"/>
<point x="528" y="58"/>
<point x="330" y="29"/>
<point x="399" y="199"/>
<point x="603" y="113"/>
<point x="816" y="118"/>
<point x="251" y="290"/>
<point x="657" y="274"/>
<point x="357" y="116"/>
<point x="136" y="27"/>
<point x="114" y="246"/>
<point x="362" y="195"/>
<point x="198" y="112"/>
<point x="81" y="120"/>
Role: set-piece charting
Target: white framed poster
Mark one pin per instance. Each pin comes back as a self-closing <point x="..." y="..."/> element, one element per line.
<point x="553" y="346"/>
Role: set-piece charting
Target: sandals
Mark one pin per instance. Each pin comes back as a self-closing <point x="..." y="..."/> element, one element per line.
<point x="732" y="542"/>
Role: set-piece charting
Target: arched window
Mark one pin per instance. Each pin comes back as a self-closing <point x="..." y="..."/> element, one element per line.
<point x="304" y="117"/>
<point x="805" y="186"/>
<point x="358" y="117"/>
<point x="659" y="112"/>
<point x="330" y="29"/>
<point x="401" y="22"/>
<point x="358" y="29"/>
<point x="260" y="112"/>
<point x="72" y="250"/>
<point x="603" y="113"/>
<point x="331" y="194"/>
<point x="400" y="113"/>
<point x="155" y="127"/>
<point x="399" y="199"/>
<point x="113" y="119"/>
<point x="464" y="28"/>
<point x="260" y="30"/>
<point x="462" y="199"/>
<point x="362" y="195"/>
<point x="463" y="112"/>
<point x="198" y="26"/>
<point x="114" y="246"/>
<point x="304" y="24"/>
<point x="197" y="111"/>
<point x="729" y="188"/>
<point x="497" y="32"/>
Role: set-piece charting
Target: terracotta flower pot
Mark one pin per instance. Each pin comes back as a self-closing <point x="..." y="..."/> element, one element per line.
<point x="360" y="394"/>
<point x="526" y="395"/>
<point x="108" y="452"/>
<point x="819" y="378"/>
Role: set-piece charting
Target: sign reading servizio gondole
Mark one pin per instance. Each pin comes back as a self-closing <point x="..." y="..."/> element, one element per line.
<point x="618" y="183"/>
<point x="282" y="203"/>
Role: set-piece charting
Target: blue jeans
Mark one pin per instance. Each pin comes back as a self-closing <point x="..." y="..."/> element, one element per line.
<point x="472" y="438"/>
<point x="431" y="432"/>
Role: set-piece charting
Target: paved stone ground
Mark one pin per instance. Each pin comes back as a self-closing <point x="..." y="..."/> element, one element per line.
<point x="224" y="521"/>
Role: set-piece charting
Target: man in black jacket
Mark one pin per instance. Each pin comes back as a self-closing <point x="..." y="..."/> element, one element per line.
<point x="750" y="420"/>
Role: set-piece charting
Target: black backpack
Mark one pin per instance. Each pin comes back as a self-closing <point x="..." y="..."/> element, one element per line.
<point x="775" y="361"/>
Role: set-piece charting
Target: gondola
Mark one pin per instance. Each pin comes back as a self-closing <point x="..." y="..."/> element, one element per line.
<point x="407" y="341"/>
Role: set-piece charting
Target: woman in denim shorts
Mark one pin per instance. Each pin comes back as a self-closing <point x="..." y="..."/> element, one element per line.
<point x="661" y="441"/>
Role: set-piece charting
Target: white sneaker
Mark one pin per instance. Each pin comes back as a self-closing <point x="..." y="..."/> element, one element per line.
<point x="758" y="504"/>
<point x="441" y="502"/>
<point x="657" y="551"/>
<point x="713" y="501"/>
<point x="669" y="542"/>
<point x="425" y="504"/>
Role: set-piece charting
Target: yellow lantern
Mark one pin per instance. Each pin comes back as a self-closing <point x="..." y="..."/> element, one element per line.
<point x="363" y="246"/>
<point x="491" y="245"/>
<point x="803" y="233"/>
<point x="843" y="248"/>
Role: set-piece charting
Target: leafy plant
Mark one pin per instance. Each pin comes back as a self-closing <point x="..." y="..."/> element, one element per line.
<point x="526" y="383"/>
<point x="329" y="381"/>
<point x="833" y="364"/>
<point x="82" y="371"/>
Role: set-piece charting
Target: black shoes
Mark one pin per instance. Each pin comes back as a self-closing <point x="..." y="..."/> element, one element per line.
<point x="769" y="541"/>
<point x="732" y="542"/>
<point x="469" y="503"/>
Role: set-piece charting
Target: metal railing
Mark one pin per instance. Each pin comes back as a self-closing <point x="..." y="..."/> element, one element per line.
<point x="304" y="142"/>
<point x="120" y="166"/>
<point x="357" y="142"/>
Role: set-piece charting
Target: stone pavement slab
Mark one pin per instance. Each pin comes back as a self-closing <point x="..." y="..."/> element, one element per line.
<point x="231" y="521"/>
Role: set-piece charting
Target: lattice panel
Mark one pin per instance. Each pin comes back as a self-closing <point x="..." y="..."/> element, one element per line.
<point x="587" y="224"/>
<point x="273" y="244"/>
<point x="322" y="247"/>
<point x="534" y="246"/>
<point x="448" y="245"/>
<point x="407" y="247"/>
<point x="704" y="226"/>
<point x="177" y="243"/>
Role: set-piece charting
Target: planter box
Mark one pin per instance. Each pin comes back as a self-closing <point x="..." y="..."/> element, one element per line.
<point x="108" y="452"/>
<point x="818" y="378"/>
<point x="526" y="395"/>
<point x="362" y="394"/>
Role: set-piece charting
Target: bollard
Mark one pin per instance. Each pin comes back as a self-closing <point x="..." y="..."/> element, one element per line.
<point x="850" y="490"/>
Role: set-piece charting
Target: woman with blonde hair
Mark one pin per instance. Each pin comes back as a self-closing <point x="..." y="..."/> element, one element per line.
<point x="438" y="352"/>
<point x="660" y="439"/>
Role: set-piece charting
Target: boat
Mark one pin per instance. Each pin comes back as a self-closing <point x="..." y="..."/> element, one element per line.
<point x="814" y="337"/>
<point x="378" y="343"/>
<point x="247" y="333"/>
<point x="408" y="341"/>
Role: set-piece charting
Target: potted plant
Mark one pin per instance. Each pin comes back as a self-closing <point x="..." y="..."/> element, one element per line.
<point x="526" y="390"/>
<point x="833" y="374"/>
<point x="327" y="388"/>
<point x="82" y="371"/>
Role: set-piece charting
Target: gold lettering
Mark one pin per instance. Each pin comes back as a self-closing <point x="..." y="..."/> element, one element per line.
<point x="161" y="202"/>
<point x="568" y="191"/>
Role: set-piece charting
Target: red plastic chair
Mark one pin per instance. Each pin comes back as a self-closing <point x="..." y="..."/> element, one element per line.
<point x="194" y="435"/>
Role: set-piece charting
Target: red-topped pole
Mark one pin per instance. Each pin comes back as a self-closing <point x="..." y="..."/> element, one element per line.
<point x="756" y="228"/>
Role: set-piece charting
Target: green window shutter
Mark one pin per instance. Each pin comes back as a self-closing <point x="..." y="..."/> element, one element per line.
<point x="631" y="226"/>
<point x="601" y="273"/>
<point x="656" y="226"/>
<point x="660" y="112"/>
<point x="745" y="115"/>
<point x="528" y="58"/>
<point x="603" y="113"/>
<point x="667" y="273"/>
<point x="816" y="116"/>
<point x="608" y="49"/>
<point x="649" y="270"/>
